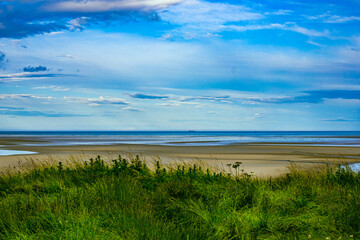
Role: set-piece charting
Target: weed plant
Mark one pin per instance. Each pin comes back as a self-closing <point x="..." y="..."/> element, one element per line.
<point x="128" y="200"/>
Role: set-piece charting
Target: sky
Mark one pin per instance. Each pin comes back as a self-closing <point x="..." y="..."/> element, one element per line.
<point x="179" y="65"/>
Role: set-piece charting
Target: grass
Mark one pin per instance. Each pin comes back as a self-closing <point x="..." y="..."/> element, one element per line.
<point x="128" y="200"/>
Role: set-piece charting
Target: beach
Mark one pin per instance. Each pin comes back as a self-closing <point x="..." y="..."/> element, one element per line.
<point x="263" y="159"/>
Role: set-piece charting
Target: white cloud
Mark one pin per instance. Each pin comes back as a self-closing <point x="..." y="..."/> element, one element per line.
<point x="178" y="103"/>
<point x="287" y="27"/>
<point x="65" y="56"/>
<point x="209" y="98"/>
<point x="194" y="62"/>
<point x="22" y="96"/>
<point x="109" y="5"/>
<point x="54" y="33"/>
<point x="349" y="55"/>
<point x="279" y="12"/>
<point x="202" y="12"/>
<point x="53" y="88"/>
<point x="341" y="19"/>
<point x="328" y="18"/>
<point x="341" y="119"/>
<point x="14" y="77"/>
<point x="131" y="109"/>
<point x="315" y="43"/>
<point x="97" y="101"/>
<point x="305" y="31"/>
<point x="78" y="23"/>
<point x="254" y="116"/>
<point x="203" y="17"/>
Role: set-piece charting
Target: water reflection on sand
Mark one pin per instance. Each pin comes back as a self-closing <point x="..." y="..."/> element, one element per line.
<point x="354" y="167"/>
<point x="14" y="152"/>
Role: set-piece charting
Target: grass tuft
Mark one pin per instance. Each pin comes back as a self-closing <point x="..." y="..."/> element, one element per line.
<point x="126" y="199"/>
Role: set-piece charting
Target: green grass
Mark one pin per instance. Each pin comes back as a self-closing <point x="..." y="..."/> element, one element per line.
<point x="128" y="200"/>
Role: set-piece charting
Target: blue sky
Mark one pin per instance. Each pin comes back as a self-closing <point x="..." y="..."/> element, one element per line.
<point x="179" y="65"/>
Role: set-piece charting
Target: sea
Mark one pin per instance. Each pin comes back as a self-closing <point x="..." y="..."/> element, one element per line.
<point x="184" y="138"/>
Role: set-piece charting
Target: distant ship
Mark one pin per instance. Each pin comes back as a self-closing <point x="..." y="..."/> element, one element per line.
<point x="191" y="131"/>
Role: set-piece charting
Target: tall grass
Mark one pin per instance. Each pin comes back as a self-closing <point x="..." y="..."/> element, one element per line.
<point x="128" y="200"/>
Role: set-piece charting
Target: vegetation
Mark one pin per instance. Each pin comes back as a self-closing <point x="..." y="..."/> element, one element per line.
<point x="128" y="200"/>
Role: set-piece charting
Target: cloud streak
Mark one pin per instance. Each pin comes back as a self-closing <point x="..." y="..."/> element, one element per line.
<point x="313" y="96"/>
<point x="341" y="119"/>
<point x="254" y="116"/>
<point x="310" y="96"/>
<point x="286" y="27"/>
<point x="131" y="109"/>
<point x="15" y="77"/>
<point x="97" y="101"/>
<point x="96" y="6"/>
<point x="328" y="18"/>
<point x="26" y="113"/>
<point x="147" y="96"/>
<point x="22" y="96"/>
<point x="53" y="88"/>
<point x="224" y="99"/>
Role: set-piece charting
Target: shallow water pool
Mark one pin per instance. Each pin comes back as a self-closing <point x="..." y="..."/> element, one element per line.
<point x="14" y="152"/>
<point x="354" y="167"/>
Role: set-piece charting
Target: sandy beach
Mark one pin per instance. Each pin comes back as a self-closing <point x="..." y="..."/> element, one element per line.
<point x="262" y="159"/>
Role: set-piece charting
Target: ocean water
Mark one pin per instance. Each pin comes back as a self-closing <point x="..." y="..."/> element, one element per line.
<point x="185" y="138"/>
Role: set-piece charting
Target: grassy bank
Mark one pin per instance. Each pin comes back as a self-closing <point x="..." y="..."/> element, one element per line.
<point x="127" y="200"/>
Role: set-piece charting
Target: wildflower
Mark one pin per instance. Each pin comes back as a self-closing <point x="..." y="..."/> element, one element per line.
<point x="309" y="236"/>
<point x="351" y="236"/>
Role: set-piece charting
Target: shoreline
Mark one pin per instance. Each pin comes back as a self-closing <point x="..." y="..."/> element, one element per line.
<point x="262" y="159"/>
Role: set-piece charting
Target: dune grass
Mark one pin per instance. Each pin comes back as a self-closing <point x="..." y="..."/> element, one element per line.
<point x="128" y="200"/>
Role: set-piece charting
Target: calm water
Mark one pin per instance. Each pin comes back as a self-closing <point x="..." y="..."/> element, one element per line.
<point x="13" y="152"/>
<point x="354" y="167"/>
<point x="187" y="138"/>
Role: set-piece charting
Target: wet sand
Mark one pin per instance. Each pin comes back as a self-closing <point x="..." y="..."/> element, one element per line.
<point x="262" y="159"/>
